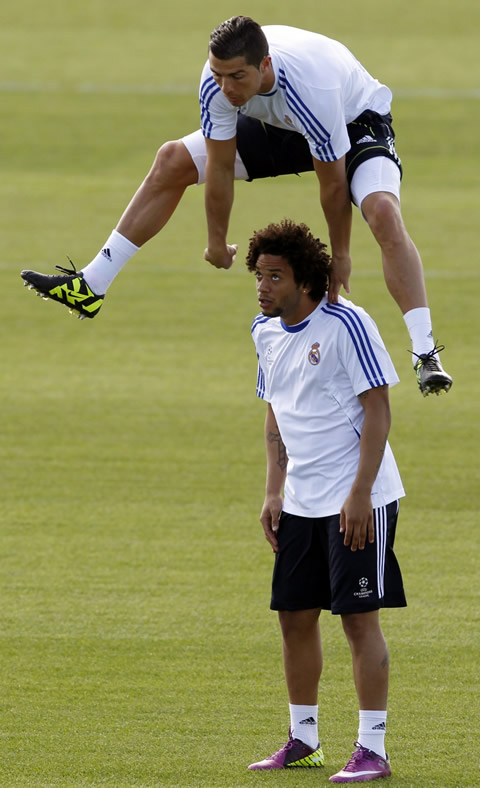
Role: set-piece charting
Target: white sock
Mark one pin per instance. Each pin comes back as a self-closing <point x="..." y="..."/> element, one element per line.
<point x="304" y="724"/>
<point x="100" y="273"/>
<point x="419" y="324"/>
<point x="371" y="730"/>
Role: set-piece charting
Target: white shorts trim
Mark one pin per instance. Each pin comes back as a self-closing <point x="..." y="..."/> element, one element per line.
<point x="379" y="174"/>
<point x="195" y="144"/>
<point x="381" y="520"/>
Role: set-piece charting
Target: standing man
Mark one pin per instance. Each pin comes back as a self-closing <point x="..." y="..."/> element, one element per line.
<point x="278" y="100"/>
<point x="332" y="488"/>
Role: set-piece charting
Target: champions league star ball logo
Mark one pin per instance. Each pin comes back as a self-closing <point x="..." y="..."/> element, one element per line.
<point x="363" y="590"/>
<point x="314" y="354"/>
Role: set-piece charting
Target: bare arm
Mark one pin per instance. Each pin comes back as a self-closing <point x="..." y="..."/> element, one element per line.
<point x="219" y="177"/>
<point x="337" y="208"/>
<point x="356" y="517"/>
<point x="276" y="472"/>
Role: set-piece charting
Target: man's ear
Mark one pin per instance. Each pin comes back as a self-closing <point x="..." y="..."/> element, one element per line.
<point x="265" y="64"/>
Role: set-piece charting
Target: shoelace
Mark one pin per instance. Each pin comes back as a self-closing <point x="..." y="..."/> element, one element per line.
<point x="70" y="271"/>
<point x="287" y="746"/>
<point x="360" y="754"/>
<point x="428" y="359"/>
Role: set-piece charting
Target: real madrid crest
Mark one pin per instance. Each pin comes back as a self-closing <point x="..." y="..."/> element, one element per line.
<point x="314" y="354"/>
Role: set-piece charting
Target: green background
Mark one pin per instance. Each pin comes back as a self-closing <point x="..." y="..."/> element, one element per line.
<point x="137" y="648"/>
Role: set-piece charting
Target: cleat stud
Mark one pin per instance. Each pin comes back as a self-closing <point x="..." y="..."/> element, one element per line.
<point x="25" y="283"/>
<point x="30" y="286"/>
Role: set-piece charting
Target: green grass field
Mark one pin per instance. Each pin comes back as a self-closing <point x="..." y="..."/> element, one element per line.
<point x="136" y="643"/>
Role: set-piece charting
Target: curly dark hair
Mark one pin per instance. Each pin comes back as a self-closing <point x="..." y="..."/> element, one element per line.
<point x="239" y="36"/>
<point x="305" y="254"/>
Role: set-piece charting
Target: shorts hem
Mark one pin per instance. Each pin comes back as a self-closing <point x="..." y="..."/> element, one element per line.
<point x="296" y="608"/>
<point x="369" y="609"/>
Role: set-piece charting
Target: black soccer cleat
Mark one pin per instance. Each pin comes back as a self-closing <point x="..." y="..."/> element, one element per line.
<point x="431" y="377"/>
<point x="70" y="289"/>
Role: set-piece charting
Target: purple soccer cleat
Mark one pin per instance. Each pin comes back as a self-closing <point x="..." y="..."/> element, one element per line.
<point x="363" y="765"/>
<point x="293" y="753"/>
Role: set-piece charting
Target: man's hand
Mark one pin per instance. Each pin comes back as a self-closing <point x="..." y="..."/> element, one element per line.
<point x="356" y="520"/>
<point x="221" y="258"/>
<point x="340" y="271"/>
<point x="269" y="518"/>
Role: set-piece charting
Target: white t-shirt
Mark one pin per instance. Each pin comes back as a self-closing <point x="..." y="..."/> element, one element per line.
<point x="319" y="88"/>
<point x="312" y="374"/>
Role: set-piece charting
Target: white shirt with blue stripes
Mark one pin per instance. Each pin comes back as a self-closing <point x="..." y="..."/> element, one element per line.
<point x="312" y="374"/>
<point x="319" y="88"/>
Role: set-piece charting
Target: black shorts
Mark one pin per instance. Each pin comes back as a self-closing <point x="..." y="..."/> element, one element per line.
<point x="268" y="151"/>
<point x="313" y="568"/>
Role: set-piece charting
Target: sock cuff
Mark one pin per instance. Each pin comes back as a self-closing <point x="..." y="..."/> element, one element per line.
<point x="307" y="710"/>
<point x="417" y="316"/>
<point x="121" y="243"/>
<point x="370" y="714"/>
<point x="372" y="723"/>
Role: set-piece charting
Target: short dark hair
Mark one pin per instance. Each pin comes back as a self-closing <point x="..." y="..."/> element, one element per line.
<point x="305" y="254"/>
<point x="239" y="36"/>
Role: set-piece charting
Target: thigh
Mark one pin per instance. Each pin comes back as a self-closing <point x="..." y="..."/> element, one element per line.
<point x="300" y="575"/>
<point x="195" y="144"/>
<point x="375" y="175"/>
<point x="367" y="579"/>
<point x="372" y="137"/>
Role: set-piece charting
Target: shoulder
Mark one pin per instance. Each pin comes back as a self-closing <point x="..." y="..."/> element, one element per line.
<point x="208" y="86"/>
<point x="346" y="313"/>
<point x="258" y="322"/>
<point x="210" y="93"/>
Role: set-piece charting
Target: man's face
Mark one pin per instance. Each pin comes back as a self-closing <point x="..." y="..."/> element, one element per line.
<point x="278" y="294"/>
<point x="238" y="81"/>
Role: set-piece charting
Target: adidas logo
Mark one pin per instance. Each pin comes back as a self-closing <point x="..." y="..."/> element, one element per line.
<point x="366" y="138"/>
<point x="380" y="727"/>
<point x="106" y="253"/>
<point x="308" y="721"/>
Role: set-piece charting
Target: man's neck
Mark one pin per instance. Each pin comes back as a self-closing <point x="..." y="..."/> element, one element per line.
<point x="268" y="80"/>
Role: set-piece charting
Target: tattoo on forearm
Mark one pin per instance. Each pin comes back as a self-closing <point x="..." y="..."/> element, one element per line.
<point x="282" y="459"/>
<point x="385" y="660"/>
<point x="380" y="457"/>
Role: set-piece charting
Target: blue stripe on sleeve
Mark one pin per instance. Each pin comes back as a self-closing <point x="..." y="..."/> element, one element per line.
<point x="260" y="382"/>
<point x="258" y="320"/>
<point x="361" y="342"/>
<point x="208" y="90"/>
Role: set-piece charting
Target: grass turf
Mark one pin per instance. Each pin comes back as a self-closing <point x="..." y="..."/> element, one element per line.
<point x="137" y="648"/>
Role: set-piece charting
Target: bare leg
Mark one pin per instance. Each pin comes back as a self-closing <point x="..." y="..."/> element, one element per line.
<point x="158" y="196"/>
<point x="402" y="264"/>
<point x="369" y="658"/>
<point x="302" y="654"/>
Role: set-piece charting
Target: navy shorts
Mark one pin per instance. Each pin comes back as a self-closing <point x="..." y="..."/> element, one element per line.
<point x="268" y="151"/>
<point x="313" y="568"/>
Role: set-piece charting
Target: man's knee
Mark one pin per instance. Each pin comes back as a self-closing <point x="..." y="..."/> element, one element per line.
<point x="173" y="166"/>
<point x="382" y="212"/>
<point x="360" y="626"/>
<point x="296" y="623"/>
